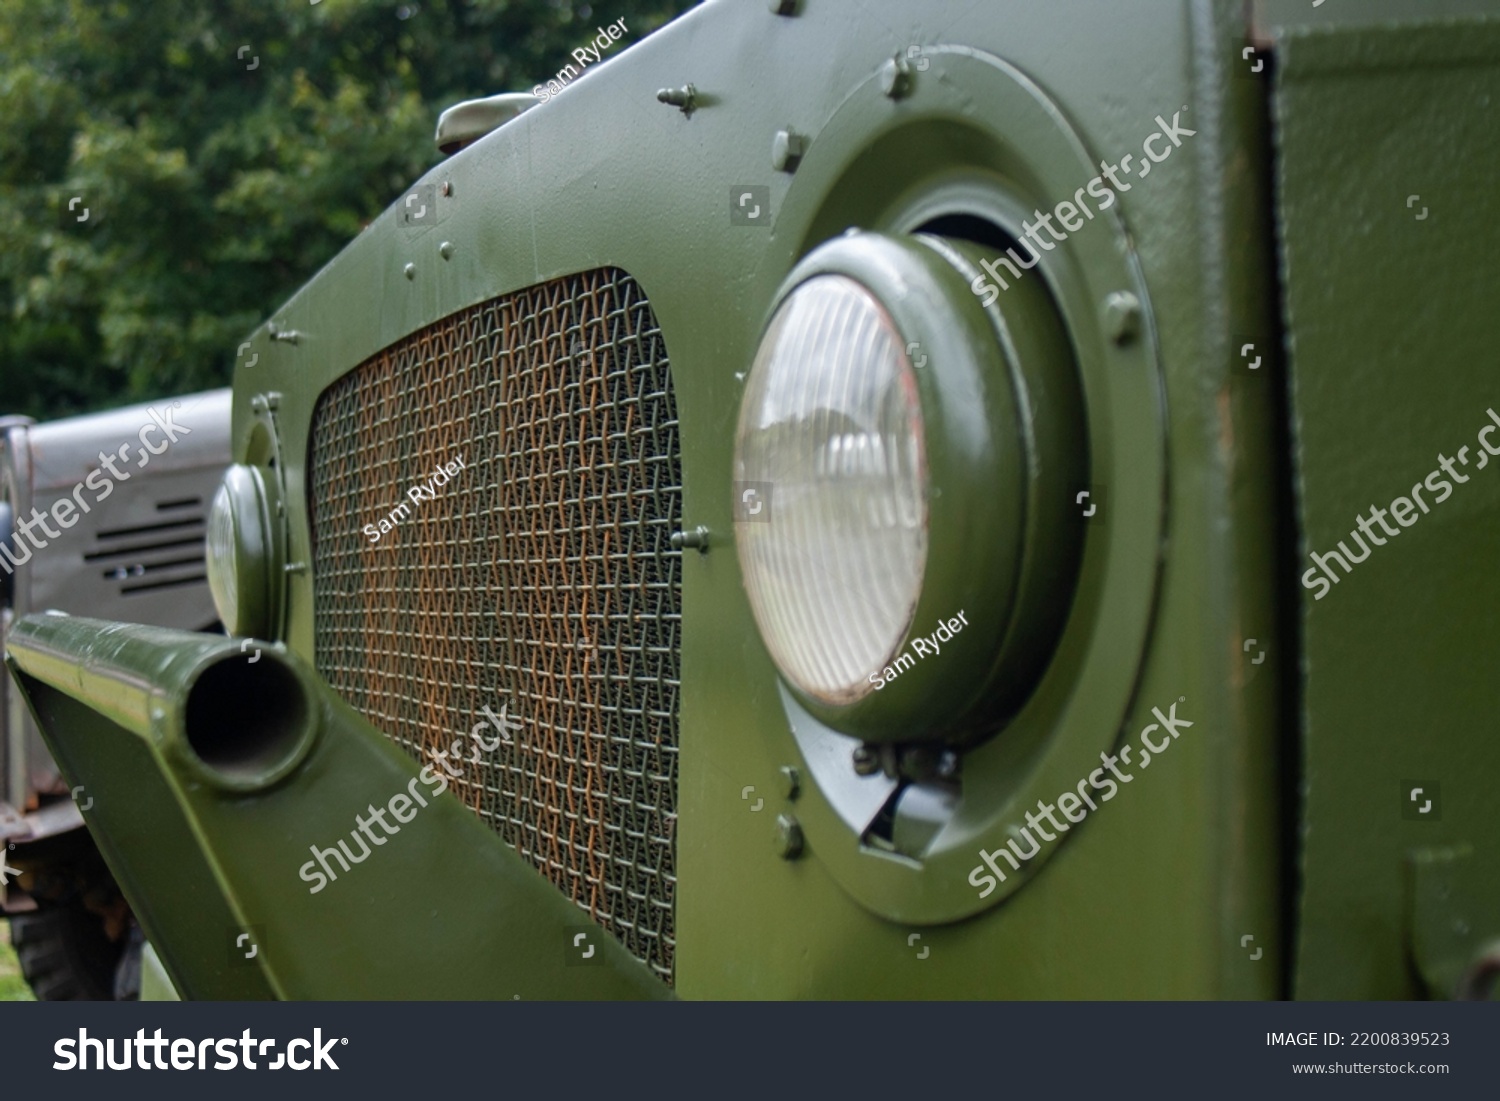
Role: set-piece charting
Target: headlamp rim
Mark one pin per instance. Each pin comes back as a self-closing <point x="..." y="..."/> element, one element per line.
<point x="245" y="496"/>
<point x="975" y="481"/>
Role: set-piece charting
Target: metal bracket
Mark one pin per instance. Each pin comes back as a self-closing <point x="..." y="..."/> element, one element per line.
<point x="1454" y="923"/>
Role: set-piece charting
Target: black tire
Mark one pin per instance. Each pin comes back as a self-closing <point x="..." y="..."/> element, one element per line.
<point x="65" y="954"/>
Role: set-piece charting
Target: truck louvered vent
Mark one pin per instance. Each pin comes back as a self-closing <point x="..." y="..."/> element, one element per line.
<point x="538" y="582"/>
<point x="165" y="554"/>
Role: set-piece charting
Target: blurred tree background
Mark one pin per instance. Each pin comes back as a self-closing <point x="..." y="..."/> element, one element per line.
<point x="223" y="152"/>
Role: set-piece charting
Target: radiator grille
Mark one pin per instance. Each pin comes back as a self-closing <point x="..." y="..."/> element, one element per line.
<point x="540" y="582"/>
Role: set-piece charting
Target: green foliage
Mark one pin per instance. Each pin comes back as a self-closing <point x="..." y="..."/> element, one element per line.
<point x="212" y="189"/>
<point x="13" y="987"/>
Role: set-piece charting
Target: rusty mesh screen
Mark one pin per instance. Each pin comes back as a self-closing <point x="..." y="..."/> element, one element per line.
<point x="539" y="582"/>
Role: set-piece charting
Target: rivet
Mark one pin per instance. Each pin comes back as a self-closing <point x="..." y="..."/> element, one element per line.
<point x="895" y="78"/>
<point x="791" y="782"/>
<point x="1122" y="317"/>
<point x="696" y="539"/>
<point x="410" y="271"/>
<point x="788" y="837"/>
<point x="783" y="7"/>
<point x="445" y="250"/>
<point x="684" y="98"/>
<point x="446" y="189"/>
<point x="787" y="150"/>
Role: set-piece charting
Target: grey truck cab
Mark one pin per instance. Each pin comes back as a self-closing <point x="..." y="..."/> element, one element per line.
<point x="100" y="515"/>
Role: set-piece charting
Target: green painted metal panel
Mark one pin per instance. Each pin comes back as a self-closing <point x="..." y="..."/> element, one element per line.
<point x="1013" y="105"/>
<point x="156" y="985"/>
<point x="1388" y="155"/>
<point x="606" y="175"/>
<point x="207" y="814"/>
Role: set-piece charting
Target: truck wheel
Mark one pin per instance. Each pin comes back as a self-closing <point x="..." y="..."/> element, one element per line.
<point x="65" y="954"/>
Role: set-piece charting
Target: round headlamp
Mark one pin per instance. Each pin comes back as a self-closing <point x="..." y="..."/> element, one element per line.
<point x="903" y="467"/>
<point x="831" y="429"/>
<point x="243" y="560"/>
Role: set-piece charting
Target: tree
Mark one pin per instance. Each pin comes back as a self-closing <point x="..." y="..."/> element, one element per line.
<point x="170" y="173"/>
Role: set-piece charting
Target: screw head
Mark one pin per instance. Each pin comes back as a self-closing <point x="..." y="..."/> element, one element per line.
<point x="1122" y="317"/>
<point x="791" y="782"/>
<point x="684" y="98"/>
<point x="866" y="760"/>
<point x="788" y="837"/>
<point x="895" y="78"/>
<point x="696" y="538"/>
<point x="787" y="150"/>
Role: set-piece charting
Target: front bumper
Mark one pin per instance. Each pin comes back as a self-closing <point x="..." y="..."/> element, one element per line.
<point x="215" y="767"/>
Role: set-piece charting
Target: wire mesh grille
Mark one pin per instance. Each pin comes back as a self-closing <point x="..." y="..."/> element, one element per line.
<point x="538" y="582"/>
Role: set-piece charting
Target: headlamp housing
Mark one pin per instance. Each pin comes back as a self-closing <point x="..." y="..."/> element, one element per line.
<point x="915" y="456"/>
<point x="244" y="559"/>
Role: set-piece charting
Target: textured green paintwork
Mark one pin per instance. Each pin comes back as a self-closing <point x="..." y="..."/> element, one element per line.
<point x="1151" y="897"/>
<point x="202" y="861"/>
<point x="1394" y="339"/>
<point x="156" y="985"/>
<point x="604" y="174"/>
<point x="1280" y="17"/>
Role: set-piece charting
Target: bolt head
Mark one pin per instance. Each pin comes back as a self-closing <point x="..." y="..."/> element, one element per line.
<point x="1122" y="317"/>
<point x="693" y="538"/>
<point x="787" y="150"/>
<point x="791" y="782"/>
<point x="788" y="837"/>
<point x="895" y="78"/>
<point x="866" y="760"/>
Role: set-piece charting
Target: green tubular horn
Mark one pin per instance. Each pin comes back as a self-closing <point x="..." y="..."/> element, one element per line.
<point x="215" y="767"/>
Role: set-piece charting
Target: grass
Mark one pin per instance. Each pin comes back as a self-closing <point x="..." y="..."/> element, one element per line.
<point x="13" y="988"/>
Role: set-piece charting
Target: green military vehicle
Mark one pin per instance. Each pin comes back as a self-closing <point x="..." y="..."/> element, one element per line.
<point x="859" y="499"/>
<point x="103" y="514"/>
